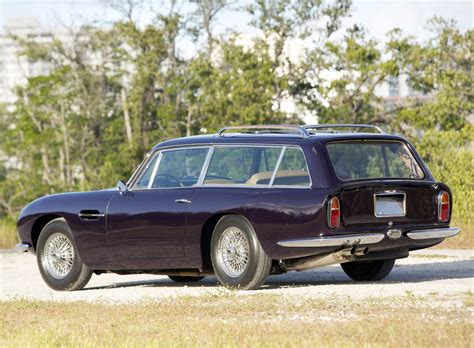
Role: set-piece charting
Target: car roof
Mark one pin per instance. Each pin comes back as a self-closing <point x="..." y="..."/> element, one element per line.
<point x="272" y="139"/>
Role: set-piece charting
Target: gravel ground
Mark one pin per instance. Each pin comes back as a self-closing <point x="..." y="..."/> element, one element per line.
<point x="446" y="273"/>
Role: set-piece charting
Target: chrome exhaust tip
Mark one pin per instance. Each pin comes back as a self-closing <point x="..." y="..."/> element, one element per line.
<point x="361" y="251"/>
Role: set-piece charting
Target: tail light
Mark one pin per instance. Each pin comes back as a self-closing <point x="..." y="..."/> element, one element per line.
<point x="443" y="206"/>
<point x="334" y="213"/>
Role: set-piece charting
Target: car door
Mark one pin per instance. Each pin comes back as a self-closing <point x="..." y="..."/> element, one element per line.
<point x="148" y="222"/>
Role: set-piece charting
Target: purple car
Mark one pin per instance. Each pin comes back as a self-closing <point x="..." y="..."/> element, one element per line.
<point x="245" y="203"/>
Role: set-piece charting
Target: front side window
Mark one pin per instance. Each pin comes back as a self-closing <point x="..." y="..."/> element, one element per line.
<point x="179" y="168"/>
<point x="174" y="168"/>
<point x="147" y="172"/>
<point x="293" y="170"/>
<point x="242" y="165"/>
<point x="358" y="159"/>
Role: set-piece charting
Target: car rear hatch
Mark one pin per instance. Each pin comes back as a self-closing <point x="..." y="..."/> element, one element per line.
<point x="381" y="182"/>
<point x="383" y="201"/>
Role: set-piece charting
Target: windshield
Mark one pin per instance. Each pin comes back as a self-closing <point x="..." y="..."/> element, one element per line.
<point x="370" y="159"/>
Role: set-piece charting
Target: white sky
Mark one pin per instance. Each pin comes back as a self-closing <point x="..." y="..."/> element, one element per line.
<point x="378" y="16"/>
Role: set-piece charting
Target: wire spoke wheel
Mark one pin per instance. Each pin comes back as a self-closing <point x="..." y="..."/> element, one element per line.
<point x="58" y="256"/>
<point x="233" y="252"/>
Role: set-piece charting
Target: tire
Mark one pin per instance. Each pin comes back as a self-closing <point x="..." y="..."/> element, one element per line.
<point x="237" y="256"/>
<point x="57" y="273"/>
<point x="185" y="279"/>
<point x="367" y="271"/>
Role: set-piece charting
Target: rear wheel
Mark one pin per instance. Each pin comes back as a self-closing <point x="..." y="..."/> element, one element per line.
<point x="58" y="260"/>
<point x="185" y="279"/>
<point x="237" y="256"/>
<point x="369" y="270"/>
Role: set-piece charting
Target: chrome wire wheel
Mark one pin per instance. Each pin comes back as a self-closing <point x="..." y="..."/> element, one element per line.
<point x="233" y="252"/>
<point x="58" y="256"/>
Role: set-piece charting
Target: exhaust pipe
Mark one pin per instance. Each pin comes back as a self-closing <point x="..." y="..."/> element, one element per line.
<point x="361" y="251"/>
<point x="341" y="256"/>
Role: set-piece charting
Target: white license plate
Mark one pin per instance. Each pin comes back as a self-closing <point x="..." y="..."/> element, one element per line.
<point x="390" y="204"/>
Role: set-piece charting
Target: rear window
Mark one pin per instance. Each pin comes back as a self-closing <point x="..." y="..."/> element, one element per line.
<point x="369" y="159"/>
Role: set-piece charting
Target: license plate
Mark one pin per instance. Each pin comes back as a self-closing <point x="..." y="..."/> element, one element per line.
<point x="389" y="204"/>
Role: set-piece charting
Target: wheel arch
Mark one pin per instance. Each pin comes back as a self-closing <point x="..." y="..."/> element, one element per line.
<point x="206" y="235"/>
<point x="39" y="224"/>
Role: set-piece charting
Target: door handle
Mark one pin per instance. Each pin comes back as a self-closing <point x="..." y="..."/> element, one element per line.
<point x="183" y="201"/>
<point x="90" y="215"/>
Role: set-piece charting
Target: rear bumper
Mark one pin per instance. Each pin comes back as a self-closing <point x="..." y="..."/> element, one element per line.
<point x="367" y="239"/>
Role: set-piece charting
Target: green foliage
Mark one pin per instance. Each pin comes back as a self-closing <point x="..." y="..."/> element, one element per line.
<point x="450" y="156"/>
<point x="115" y="91"/>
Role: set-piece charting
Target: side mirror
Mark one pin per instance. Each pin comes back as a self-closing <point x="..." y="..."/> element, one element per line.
<point x="122" y="187"/>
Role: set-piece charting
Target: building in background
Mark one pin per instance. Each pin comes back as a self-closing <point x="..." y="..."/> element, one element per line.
<point x="15" y="70"/>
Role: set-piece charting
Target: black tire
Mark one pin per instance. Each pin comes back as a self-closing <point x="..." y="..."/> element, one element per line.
<point x="258" y="264"/>
<point x="369" y="270"/>
<point x="78" y="275"/>
<point x="185" y="279"/>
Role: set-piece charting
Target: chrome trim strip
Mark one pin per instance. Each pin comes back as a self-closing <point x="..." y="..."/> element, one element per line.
<point x="22" y="247"/>
<point x="347" y="239"/>
<point x="434" y="233"/>
<point x="205" y="166"/>
<point x="155" y="169"/>
<point x="282" y="153"/>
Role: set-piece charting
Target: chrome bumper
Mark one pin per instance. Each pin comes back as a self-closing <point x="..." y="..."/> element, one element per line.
<point x="22" y="247"/>
<point x="434" y="233"/>
<point x="368" y="238"/>
<point x="348" y="239"/>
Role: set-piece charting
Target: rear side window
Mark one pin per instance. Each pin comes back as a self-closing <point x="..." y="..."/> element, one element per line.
<point x="293" y="170"/>
<point x="358" y="159"/>
<point x="242" y="165"/>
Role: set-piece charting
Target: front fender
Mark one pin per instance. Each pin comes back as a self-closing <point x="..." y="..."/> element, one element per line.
<point x="89" y="235"/>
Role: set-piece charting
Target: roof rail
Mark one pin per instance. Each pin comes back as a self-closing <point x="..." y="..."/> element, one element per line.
<point x="327" y="127"/>
<point x="267" y="129"/>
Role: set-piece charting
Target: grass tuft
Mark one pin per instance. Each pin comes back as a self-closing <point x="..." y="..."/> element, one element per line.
<point x="8" y="236"/>
<point x="239" y="321"/>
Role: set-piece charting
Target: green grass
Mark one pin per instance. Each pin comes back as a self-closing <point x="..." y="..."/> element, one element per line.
<point x="8" y="236"/>
<point x="238" y="321"/>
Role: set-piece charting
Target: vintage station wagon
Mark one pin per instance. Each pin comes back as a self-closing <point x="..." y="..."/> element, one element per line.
<point x="245" y="203"/>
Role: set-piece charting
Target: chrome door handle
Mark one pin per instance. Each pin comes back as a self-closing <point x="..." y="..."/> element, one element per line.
<point x="90" y="215"/>
<point x="183" y="201"/>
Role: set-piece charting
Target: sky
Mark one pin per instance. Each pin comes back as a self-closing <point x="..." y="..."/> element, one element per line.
<point x="377" y="16"/>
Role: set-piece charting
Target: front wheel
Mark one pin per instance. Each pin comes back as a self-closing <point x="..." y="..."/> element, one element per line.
<point x="58" y="260"/>
<point x="237" y="256"/>
<point x="368" y="270"/>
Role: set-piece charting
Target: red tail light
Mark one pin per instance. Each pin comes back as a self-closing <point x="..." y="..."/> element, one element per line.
<point x="443" y="206"/>
<point x="334" y="213"/>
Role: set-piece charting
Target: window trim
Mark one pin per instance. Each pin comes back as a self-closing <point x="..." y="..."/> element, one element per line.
<point x="211" y="147"/>
<point x="159" y="153"/>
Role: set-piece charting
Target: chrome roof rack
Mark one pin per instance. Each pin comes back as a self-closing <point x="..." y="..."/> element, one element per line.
<point x="266" y="130"/>
<point x="326" y="128"/>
